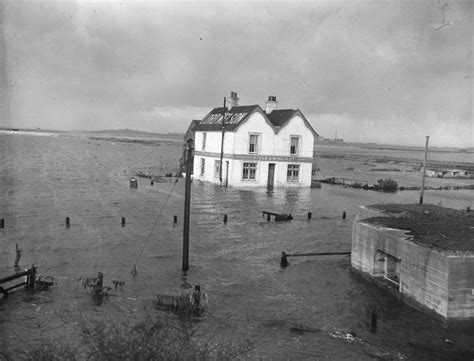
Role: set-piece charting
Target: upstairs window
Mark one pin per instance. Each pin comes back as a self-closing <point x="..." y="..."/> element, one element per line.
<point x="293" y="173"/>
<point x="204" y="136"/>
<point x="253" y="143"/>
<point x="203" y="165"/>
<point x="249" y="171"/>
<point x="294" y="145"/>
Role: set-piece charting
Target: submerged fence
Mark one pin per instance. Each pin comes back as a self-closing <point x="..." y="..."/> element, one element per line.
<point x="26" y="278"/>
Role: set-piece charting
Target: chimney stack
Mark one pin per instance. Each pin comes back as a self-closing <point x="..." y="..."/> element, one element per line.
<point x="233" y="101"/>
<point x="271" y="104"/>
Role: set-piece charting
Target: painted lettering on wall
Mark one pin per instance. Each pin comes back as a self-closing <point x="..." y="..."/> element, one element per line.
<point x="230" y="118"/>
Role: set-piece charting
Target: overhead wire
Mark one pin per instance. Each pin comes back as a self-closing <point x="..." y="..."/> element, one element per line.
<point x="134" y="271"/>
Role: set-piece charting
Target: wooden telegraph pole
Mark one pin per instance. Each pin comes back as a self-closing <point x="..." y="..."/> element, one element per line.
<point x="424" y="170"/>
<point x="187" y="204"/>
<point x="222" y="142"/>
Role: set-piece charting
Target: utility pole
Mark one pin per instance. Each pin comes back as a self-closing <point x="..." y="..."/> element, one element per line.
<point x="424" y="170"/>
<point x="222" y="143"/>
<point x="187" y="204"/>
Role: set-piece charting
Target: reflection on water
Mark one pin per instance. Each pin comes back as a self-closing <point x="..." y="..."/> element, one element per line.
<point x="236" y="264"/>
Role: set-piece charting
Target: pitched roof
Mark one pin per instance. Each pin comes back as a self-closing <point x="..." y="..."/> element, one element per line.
<point x="278" y="117"/>
<point x="190" y="132"/>
<point x="239" y="114"/>
<point x="233" y="118"/>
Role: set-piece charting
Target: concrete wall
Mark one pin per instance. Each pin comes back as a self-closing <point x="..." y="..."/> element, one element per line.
<point x="461" y="287"/>
<point x="368" y="238"/>
<point x="424" y="276"/>
<point x="439" y="281"/>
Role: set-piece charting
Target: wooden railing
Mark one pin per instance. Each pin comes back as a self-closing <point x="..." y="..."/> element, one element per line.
<point x="30" y="275"/>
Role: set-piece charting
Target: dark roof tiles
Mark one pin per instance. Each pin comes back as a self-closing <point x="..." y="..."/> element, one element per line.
<point x="238" y="114"/>
<point x="280" y="117"/>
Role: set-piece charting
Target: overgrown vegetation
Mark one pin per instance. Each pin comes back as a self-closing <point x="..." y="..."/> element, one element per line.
<point x="431" y="225"/>
<point x="386" y="185"/>
<point x="151" y="338"/>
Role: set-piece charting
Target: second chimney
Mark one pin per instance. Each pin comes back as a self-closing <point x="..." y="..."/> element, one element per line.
<point x="271" y="104"/>
<point x="234" y="100"/>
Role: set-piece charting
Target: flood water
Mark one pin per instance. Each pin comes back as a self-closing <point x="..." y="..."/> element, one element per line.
<point x="303" y="312"/>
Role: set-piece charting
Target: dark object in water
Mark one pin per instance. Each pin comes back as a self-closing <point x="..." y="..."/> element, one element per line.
<point x="284" y="260"/>
<point x="183" y="301"/>
<point x="302" y="329"/>
<point x="44" y="282"/>
<point x="278" y="217"/>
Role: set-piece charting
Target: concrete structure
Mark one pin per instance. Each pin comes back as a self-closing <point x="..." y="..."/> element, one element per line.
<point x="440" y="280"/>
<point x="258" y="148"/>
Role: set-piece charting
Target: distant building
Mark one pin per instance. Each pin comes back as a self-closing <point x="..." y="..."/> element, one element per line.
<point x="260" y="148"/>
<point x="429" y="263"/>
<point x="448" y="173"/>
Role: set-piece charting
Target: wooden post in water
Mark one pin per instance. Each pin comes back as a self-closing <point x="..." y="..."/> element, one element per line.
<point x="2" y="223"/>
<point x="424" y="170"/>
<point x="30" y="280"/>
<point x="123" y="221"/>
<point x="187" y="204"/>
<point x="225" y="218"/>
<point x="309" y="215"/>
<point x="68" y="222"/>
<point x="283" y="260"/>
<point x="175" y="219"/>
<point x="18" y="256"/>
<point x="373" y="323"/>
<point x="344" y="215"/>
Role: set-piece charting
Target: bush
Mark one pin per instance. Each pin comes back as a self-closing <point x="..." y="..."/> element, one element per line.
<point x="123" y="338"/>
<point x="387" y="185"/>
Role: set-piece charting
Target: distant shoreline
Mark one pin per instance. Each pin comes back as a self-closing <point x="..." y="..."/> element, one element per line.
<point x="135" y="135"/>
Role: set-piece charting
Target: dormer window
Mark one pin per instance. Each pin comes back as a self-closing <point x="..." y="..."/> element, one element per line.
<point x="253" y="143"/>
<point x="294" y="145"/>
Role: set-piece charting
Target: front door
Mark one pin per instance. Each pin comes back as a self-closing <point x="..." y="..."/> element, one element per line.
<point x="271" y="175"/>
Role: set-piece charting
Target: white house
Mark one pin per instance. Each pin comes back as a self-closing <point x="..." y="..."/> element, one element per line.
<point x="271" y="148"/>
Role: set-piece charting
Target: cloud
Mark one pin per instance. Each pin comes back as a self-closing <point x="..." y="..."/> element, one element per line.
<point x="378" y="66"/>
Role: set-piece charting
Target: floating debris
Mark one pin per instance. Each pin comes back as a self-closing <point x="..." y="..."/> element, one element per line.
<point x="183" y="301"/>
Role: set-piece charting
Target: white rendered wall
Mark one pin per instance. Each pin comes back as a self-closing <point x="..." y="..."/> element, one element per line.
<point x="258" y="125"/>
<point x="295" y="127"/>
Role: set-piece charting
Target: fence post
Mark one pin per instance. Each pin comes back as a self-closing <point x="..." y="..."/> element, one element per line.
<point x="18" y="256"/>
<point x="31" y="277"/>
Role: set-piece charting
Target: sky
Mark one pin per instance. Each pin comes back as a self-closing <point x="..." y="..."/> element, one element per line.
<point x="385" y="71"/>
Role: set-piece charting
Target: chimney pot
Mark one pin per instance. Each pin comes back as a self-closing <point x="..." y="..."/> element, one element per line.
<point x="271" y="104"/>
<point x="234" y="100"/>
